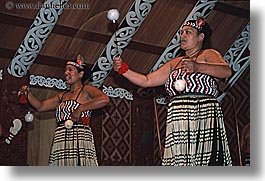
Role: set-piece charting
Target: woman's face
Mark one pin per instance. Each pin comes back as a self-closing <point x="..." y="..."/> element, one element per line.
<point x="71" y="74"/>
<point x="189" y="38"/>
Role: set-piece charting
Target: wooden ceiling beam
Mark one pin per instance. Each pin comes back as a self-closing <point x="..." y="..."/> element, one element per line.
<point x="41" y="59"/>
<point x="232" y="10"/>
<point x="80" y="34"/>
<point x="97" y="37"/>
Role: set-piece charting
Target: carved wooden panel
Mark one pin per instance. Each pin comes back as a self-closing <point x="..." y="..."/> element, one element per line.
<point x="239" y="110"/>
<point x="142" y="132"/>
<point x="116" y="134"/>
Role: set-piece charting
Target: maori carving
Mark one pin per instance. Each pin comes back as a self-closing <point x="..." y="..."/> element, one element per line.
<point x="47" y="82"/>
<point x="237" y="60"/>
<point x="36" y="37"/>
<point x="17" y="124"/>
<point x="60" y="84"/>
<point x="120" y="39"/>
<point x="118" y="92"/>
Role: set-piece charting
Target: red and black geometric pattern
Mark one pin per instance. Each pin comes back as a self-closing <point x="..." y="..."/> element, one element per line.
<point x="236" y="109"/>
<point x="116" y="133"/>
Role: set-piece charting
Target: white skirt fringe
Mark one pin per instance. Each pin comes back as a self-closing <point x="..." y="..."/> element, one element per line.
<point x="73" y="147"/>
<point x="195" y="133"/>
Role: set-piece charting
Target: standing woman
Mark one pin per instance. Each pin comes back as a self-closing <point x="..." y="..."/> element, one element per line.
<point x="195" y="130"/>
<point x="73" y="143"/>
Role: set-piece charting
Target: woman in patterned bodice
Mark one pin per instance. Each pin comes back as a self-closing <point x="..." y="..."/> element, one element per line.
<point x="73" y="142"/>
<point x="195" y="130"/>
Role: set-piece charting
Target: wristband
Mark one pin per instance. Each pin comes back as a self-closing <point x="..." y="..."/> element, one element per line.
<point x="23" y="99"/>
<point x="124" y="68"/>
<point x="23" y="94"/>
<point x="85" y="120"/>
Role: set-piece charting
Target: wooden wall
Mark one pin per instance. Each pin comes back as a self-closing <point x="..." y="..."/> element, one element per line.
<point x="40" y="135"/>
<point x="13" y="145"/>
<point x="236" y="109"/>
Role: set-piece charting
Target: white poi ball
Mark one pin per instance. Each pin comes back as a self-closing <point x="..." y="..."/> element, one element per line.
<point x="69" y="124"/>
<point x="29" y="117"/>
<point x="180" y="85"/>
<point x="113" y="15"/>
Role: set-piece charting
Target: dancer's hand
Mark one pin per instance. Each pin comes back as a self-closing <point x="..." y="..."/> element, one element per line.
<point x="24" y="89"/>
<point x="117" y="64"/>
<point x="189" y="65"/>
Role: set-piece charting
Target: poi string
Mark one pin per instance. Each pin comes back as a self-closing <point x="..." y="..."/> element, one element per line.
<point x="237" y="131"/>
<point x="157" y="127"/>
<point x="180" y="84"/>
<point x="113" y="15"/>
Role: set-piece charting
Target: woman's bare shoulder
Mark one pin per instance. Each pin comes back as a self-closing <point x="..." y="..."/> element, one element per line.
<point x="174" y="63"/>
<point x="211" y="51"/>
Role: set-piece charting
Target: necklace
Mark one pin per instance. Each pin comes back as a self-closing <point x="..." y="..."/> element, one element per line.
<point x="74" y="90"/>
<point x="180" y="84"/>
<point x="185" y="57"/>
<point x="199" y="50"/>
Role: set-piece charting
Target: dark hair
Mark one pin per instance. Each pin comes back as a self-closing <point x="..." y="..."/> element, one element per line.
<point x="202" y="27"/>
<point x="87" y="73"/>
<point x="207" y="31"/>
<point x="81" y="66"/>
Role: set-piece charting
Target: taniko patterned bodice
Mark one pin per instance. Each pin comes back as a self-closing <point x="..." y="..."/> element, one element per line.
<point x="65" y="109"/>
<point x="195" y="83"/>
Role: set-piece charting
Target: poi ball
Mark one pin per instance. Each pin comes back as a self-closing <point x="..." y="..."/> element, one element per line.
<point x="113" y="15"/>
<point x="69" y="124"/>
<point x="29" y="117"/>
<point x="180" y="85"/>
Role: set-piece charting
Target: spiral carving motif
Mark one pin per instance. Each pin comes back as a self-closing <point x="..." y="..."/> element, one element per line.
<point x="35" y="37"/>
<point x="237" y="59"/>
<point x="120" y="39"/>
<point x="117" y="92"/>
<point x="47" y="82"/>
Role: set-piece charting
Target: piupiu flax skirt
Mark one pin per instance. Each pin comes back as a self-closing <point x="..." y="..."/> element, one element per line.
<point x="73" y="147"/>
<point x="195" y="133"/>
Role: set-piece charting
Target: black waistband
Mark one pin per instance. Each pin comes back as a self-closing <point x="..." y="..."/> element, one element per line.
<point x="192" y="95"/>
